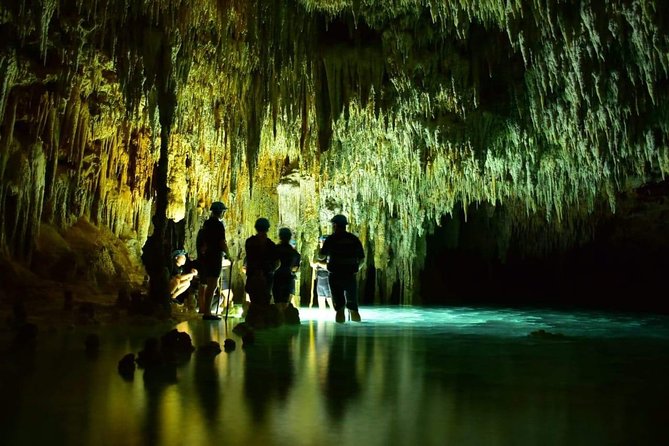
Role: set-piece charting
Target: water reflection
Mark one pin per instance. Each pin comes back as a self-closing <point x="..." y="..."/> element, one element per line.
<point x="207" y="386"/>
<point x="268" y="370"/>
<point x="341" y="385"/>
<point x="398" y="378"/>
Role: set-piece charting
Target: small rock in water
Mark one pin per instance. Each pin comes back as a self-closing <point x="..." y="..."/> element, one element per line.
<point x="229" y="345"/>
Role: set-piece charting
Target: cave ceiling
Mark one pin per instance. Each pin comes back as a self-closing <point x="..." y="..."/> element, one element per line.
<point x="395" y="112"/>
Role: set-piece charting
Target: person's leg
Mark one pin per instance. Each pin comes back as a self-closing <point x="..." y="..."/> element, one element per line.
<point x="180" y="289"/>
<point x="323" y="292"/>
<point x="281" y="291"/>
<point x="351" y="291"/>
<point x="201" y="291"/>
<point x="174" y="284"/>
<point x="212" y="283"/>
<point x="226" y="292"/>
<point x="326" y="293"/>
<point x="228" y="297"/>
<point x="337" y="289"/>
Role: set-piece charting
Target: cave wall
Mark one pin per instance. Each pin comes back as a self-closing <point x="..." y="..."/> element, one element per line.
<point x="619" y="262"/>
<point x="395" y="113"/>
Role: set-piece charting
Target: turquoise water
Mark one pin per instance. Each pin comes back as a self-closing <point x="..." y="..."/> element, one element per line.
<point x="439" y="376"/>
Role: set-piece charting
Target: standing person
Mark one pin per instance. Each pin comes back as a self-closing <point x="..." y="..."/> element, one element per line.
<point x="343" y="253"/>
<point x="322" y="280"/>
<point x="261" y="262"/>
<point x="180" y="280"/>
<point x="284" y="277"/>
<point x="211" y="249"/>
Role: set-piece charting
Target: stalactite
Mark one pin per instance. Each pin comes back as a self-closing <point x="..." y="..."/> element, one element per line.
<point x="419" y="108"/>
<point x="8" y="74"/>
<point x="48" y="7"/>
<point x="25" y="192"/>
<point x="177" y="179"/>
<point x="289" y="197"/>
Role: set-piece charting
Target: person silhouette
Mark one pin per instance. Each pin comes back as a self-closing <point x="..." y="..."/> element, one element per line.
<point x="212" y="247"/>
<point x="284" y="277"/>
<point x="343" y="254"/>
<point x="323" y="292"/>
<point x="260" y="263"/>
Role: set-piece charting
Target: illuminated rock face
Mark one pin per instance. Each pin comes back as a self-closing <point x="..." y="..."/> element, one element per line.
<point x="394" y="113"/>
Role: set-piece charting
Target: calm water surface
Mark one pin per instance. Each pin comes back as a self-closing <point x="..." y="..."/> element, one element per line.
<point x="405" y="376"/>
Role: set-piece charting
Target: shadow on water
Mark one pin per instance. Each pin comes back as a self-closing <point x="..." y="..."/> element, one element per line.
<point x="207" y="386"/>
<point x="341" y="385"/>
<point x="268" y="370"/>
<point x="402" y="377"/>
<point x="15" y="378"/>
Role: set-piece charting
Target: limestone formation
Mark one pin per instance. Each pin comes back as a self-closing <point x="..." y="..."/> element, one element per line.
<point x="135" y="116"/>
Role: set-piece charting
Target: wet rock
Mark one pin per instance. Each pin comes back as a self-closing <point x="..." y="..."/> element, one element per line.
<point x="211" y="348"/>
<point x="229" y="345"/>
<point x="242" y="328"/>
<point x="543" y="334"/>
<point x="256" y="316"/>
<point x="126" y="367"/>
<point x="176" y="346"/>
<point x="291" y="315"/>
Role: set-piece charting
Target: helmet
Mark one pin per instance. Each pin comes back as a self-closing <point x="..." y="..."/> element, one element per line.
<point x="262" y="224"/>
<point x="217" y="206"/>
<point x="178" y="252"/>
<point x="339" y="220"/>
<point x="285" y="234"/>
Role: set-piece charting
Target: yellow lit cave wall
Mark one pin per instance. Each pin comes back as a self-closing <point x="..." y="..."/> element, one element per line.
<point x="393" y="112"/>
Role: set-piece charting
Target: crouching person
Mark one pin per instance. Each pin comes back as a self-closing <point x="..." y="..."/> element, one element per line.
<point x="181" y="276"/>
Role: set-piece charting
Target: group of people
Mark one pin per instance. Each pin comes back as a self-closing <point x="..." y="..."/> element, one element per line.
<point x="212" y="257"/>
<point x="271" y="268"/>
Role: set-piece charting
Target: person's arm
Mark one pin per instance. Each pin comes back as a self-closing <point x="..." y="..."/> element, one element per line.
<point x="296" y="262"/>
<point x="274" y="255"/>
<point x="324" y="252"/>
<point x="181" y="278"/>
<point x="318" y="264"/>
<point x="224" y="248"/>
<point x="223" y="244"/>
<point x="190" y="267"/>
<point x="245" y="263"/>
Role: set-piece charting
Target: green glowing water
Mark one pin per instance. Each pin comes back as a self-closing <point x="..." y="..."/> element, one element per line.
<point x="465" y="376"/>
